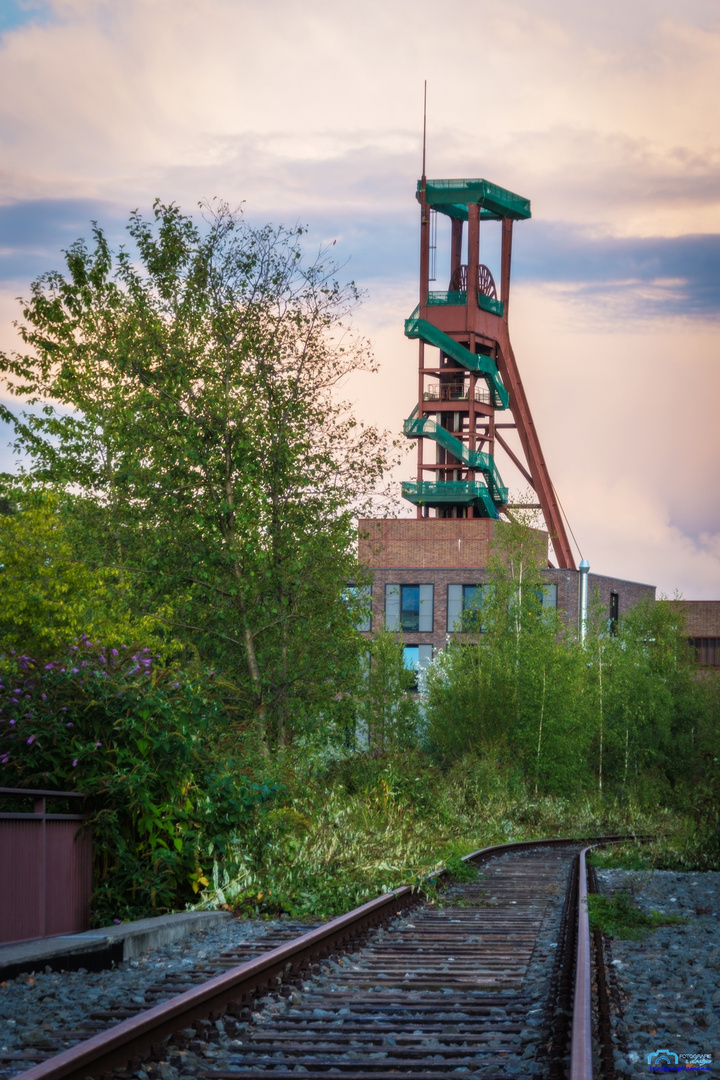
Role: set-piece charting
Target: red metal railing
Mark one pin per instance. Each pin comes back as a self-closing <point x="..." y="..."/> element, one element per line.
<point x="47" y="869"/>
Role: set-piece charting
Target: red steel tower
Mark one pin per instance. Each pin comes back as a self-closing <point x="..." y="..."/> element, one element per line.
<point x="475" y="375"/>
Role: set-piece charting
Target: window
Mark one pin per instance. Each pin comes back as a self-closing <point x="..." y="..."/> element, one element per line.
<point x="417" y="658"/>
<point x="409" y="608"/>
<point x="707" y="651"/>
<point x="549" y="596"/>
<point x="360" y="596"/>
<point x="614" y="611"/>
<point x="464" y="608"/>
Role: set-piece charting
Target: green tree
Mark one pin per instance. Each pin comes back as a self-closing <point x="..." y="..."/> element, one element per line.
<point x="513" y="687"/>
<point x="387" y="712"/>
<point x="142" y="740"/>
<point x="48" y="596"/>
<point x="209" y="455"/>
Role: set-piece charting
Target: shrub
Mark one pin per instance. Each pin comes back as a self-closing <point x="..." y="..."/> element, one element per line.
<point x="141" y="739"/>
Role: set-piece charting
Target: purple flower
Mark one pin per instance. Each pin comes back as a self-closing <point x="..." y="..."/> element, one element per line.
<point x="44" y="697"/>
<point x="11" y="723"/>
<point x="69" y="724"/>
<point x="118" y="921"/>
<point x="74" y="763"/>
<point x="98" y="744"/>
<point x="49" y="667"/>
<point x="5" y="758"/>
<point x="114" y="652"/>
<point x="74" y="671"/>
<point x="31" y="739"/>
<point x="102" y="660"/>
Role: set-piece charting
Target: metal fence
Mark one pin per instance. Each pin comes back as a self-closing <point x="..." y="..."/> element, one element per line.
<point x="46" y="863"/>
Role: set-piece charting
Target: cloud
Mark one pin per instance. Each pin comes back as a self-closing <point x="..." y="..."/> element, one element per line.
<point x="601" y="114"/>
<point x="644" y="277"/>
<point x="34" y="233"/>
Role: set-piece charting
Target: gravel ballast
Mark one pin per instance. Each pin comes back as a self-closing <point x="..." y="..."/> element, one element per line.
<point x="669" y="982"/>
<point x="36" y="1005"/>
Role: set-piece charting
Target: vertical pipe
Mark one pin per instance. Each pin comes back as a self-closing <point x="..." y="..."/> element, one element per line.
<point x="583" y="599"/>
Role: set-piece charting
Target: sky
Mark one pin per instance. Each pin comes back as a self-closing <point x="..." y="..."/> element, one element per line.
<point x="604" y="115"/>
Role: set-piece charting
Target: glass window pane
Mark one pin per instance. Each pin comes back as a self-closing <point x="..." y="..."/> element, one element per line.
<point x="410" y="608"/>
<point x="472" y="608"/>
<point x="392" y="607"/>
<point x="425" y="621"/>
<point x="411" y="657"/>
<point x="454" y="606"/>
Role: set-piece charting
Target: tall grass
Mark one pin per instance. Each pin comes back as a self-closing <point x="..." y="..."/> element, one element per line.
<point x="352" y="828"/>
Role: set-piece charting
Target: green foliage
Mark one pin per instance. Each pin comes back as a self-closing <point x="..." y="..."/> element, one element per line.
<point x="387" y="714"/>
<point x="210" y="460"/>
<point x="620" y="917"/>
<point x="623" y="857"/>
<point x="461" y="871"/>
<point x="137" y="737"/>
<point x="193" y="486"/>
<point x="48" y="596"/>
<point x="512" y="691"/>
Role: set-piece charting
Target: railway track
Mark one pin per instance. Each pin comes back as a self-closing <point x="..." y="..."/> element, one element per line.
<point x="491" y="978"/>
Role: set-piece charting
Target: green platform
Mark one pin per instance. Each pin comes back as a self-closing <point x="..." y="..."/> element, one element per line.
<point x="454" y="492"/>
<point x="459" y="299"/>
<point x="452" y="197"/>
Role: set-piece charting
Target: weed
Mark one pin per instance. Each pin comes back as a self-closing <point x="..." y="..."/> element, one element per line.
<point x="620" y="917"/>
<point x="461" y="871"/>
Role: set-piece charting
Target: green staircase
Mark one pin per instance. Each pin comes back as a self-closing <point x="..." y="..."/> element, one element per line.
<point x="484" y="365"/>
<point x="455" y="492"/>
<point x="423" y="427"/>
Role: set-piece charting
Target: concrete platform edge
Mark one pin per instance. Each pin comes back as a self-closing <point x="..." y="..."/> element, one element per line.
<point x="99" y="949"/>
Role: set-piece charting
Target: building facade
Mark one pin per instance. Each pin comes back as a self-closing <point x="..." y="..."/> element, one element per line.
<point x="702" y="620"/>
<point x="426" y="571"/>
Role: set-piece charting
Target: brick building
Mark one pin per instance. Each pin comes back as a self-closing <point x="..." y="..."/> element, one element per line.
<point x="426" y="571"/>
<point x="703" y="627"/>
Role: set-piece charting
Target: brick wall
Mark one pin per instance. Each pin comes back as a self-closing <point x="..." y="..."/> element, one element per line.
<point x="702" y="617"/>
<point x="429" y="542"/>
<point x="454" y="551"/>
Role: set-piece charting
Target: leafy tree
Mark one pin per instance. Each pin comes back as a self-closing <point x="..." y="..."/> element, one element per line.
<point x="47" y="595"/>
<point x="512" y="689"/>
<point x="387" y="712"/>
<point x="209" y="456"/>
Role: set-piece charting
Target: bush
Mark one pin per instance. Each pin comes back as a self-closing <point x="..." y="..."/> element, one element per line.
<point x="141" y="739"/>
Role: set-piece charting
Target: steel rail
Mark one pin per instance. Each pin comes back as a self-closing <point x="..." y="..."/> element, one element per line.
<point x="581" y="1039"/>
<point x="581" y="1032"/>
<point x="233" y="989"/>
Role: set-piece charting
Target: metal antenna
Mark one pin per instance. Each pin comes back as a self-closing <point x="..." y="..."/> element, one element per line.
<point x="424" y="128"/>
